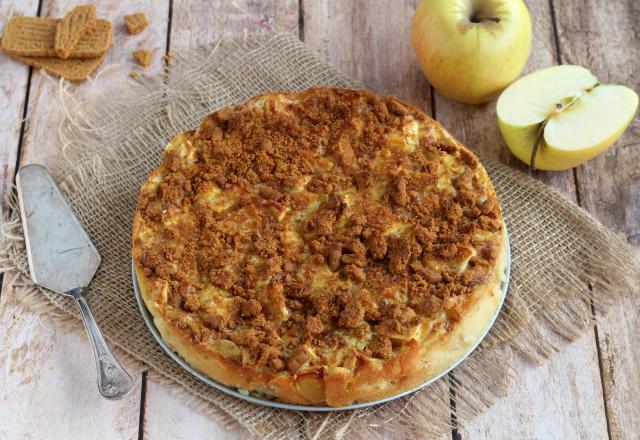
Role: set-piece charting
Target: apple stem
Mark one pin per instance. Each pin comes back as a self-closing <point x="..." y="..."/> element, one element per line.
<point x="590" y="89"/>
<point x="537" y="145"/>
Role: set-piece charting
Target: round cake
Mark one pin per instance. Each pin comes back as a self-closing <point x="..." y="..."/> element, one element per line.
<point x="323" y="248"/>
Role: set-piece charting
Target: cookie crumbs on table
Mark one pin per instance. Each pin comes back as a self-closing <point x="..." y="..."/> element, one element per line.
<point x="136" y="23"/>
<point x="143" y="57"/>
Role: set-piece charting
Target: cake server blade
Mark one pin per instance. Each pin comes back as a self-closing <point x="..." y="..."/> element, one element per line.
<point x="60" y="253"/>
<point x="63" y="259"/>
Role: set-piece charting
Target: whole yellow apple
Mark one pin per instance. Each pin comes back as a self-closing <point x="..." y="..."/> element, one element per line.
<point x="560" y="117"/>
<point x="471" y="49"/>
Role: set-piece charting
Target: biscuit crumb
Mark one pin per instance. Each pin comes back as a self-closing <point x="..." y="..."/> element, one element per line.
<point x="136" y="23"/>
<point x="380" y="347"/>
<point x="314" y="325"/>
<point x="352" y="315"/>
<point x="143" y="57"/>
<point x="399" y="255"/>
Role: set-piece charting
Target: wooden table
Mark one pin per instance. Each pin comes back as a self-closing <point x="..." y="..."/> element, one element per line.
<point x="589" y="390"/>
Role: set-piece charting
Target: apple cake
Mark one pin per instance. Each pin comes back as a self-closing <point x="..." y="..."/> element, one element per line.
<point x="325" y="247"/>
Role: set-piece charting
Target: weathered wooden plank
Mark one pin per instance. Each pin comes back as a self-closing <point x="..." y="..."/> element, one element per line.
<point x="603" y="36"/>
<point x="369" y="41"/>
<point x="49" y="388"/>
<point x="13" y="87"/>
<point x="543" y="396"/>
<point x="373" y="78"/>
<point x="555" y="400"/>
<point x="200" y="24"/>
<point x="167" y="416"/>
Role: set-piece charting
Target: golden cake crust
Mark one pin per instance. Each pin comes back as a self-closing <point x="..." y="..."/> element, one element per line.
<point x="326" y="247"/>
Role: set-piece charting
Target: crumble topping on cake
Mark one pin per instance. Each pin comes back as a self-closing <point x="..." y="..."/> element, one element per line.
<point x="316" y="229"/>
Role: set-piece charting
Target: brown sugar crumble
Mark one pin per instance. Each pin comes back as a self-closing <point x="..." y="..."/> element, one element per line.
<point x="136" y="23"/>
<point x="143" y="57"/>
<point x="290" y="227"/>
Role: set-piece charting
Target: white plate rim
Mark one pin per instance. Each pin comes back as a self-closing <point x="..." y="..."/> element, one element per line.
<point x="148" y="318"/>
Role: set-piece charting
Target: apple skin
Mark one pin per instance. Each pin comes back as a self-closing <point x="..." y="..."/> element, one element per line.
<point x="467" y="61"/>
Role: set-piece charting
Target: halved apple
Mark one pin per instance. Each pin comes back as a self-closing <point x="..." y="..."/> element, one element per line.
<point x="560" y="117"/>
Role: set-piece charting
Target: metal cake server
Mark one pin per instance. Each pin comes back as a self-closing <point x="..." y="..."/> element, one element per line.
<point x="63" y="259"/>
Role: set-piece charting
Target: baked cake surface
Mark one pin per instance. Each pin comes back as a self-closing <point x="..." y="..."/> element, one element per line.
<point x="324" y="247"/>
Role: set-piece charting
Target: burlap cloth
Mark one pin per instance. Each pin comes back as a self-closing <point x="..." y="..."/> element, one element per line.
<point x="563" y="260"/>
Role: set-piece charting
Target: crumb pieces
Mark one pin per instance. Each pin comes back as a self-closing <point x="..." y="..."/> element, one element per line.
<point x="377" y="245"/>
<point x="354" y="273"/>
<point x="314" y="325"/>
<point x="251" y="308"/>
<point x="143" y="57"/>
<point x="352" y="315"/>
<point x="380" y="346"/>
<point x="367" y="255"/>
<point x="136" y="23"/>
<point x="399" y="254"/>
<point x="192" y="302"/>
<point x="399" y="192"/>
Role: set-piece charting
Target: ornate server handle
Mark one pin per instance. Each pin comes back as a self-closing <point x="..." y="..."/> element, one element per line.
<point x="113" y="381"/>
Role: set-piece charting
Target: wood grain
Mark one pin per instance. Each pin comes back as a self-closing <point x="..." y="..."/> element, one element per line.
<point x="52" y="370"/>
<point x="197" y="23"/>
<point x="48" y="386"/>
<point x="13" y="89"/>
<point x="370" y="42"/>
<point x="48" y="374"/>
<point x="167" y="416"/>
<point x="603" y="36"/>
<point x="560" y="399"/>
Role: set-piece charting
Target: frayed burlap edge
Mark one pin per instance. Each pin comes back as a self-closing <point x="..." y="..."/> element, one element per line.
<point x="556" y="276"/>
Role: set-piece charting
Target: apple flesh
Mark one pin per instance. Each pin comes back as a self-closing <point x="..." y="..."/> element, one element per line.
<point x="560" y="117"/>
<point x="470" y="50"/>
